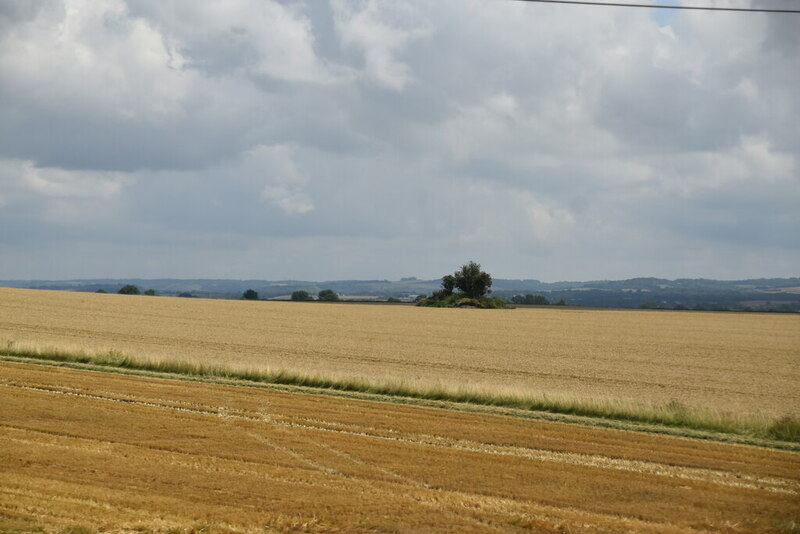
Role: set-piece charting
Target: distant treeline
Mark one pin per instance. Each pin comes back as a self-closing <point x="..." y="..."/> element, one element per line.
<point x="672" y="299"/>
<point x="768" y="294"/>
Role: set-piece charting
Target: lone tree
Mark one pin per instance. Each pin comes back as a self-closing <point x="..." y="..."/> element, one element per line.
<point x="473" y="282"/>
<point x="301" y="296"/>
<point x="129" y="289"/>
<point x="327" y="295"/>
<point x="250" y="295"/>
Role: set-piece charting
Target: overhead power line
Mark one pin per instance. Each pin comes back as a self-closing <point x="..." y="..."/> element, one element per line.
<point x="663" y="6"/>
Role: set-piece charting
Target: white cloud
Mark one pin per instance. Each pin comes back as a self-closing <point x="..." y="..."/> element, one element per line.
<point x="61" y="197"/>
<point x="66" y="184"/>
<point x="517" y="218"/>
<point x="285" y="182"/>
<point x="83" y="54"/>
<point x="381" y="31"/>
<point x="751" y="163"/>
<point x="271" y="38"/>
<point x="289" y="200"/>
<point x="23" y="176"/>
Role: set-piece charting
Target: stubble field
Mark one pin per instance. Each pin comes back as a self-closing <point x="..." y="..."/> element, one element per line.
<point x="85" y="452"/>
<point x="740" y="363"/>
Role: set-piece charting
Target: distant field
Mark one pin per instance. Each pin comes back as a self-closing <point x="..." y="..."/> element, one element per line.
<point x="85" y="452"/>
<point x="747" y="363"/>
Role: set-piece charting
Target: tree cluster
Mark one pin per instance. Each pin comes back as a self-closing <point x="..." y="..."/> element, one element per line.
<point x="472" y="284"/>
<point x="130" y="289"/>
<point x="536" y="300"/>
<point x="301" y="296"/>
<point x="328" y="295"/>
<point x="250" y="294"/>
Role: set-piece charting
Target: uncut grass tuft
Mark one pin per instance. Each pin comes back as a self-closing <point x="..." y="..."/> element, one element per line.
<point x="673" y="414"/>
<point x="786" y="428"/>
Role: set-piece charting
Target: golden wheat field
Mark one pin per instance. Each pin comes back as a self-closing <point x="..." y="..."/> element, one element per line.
<point x="85" y="452"/>
<point x="747" y="363"/>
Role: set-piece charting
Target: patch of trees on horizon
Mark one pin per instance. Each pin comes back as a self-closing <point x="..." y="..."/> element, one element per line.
<point x="250" y="294"/>
<point x="326" y="295"/>
<point x="301" y="296"/>
<point x="131" y="289"/>
<point x="473" y="286"/>
<point x="535" y="300"/>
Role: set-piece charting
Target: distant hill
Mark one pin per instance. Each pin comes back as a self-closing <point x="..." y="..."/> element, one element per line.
<point x="765" y="294"/>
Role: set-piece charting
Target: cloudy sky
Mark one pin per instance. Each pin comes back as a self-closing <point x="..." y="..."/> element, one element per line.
<point x="355" y="139"/>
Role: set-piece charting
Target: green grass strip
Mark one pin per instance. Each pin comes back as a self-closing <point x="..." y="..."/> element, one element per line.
<point x="672" y="414"/>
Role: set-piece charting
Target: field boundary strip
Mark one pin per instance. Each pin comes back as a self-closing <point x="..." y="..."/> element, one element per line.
<point x="119" y="364"/>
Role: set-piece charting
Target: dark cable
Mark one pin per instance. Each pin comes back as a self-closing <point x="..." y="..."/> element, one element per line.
<point x="662" y="6"/>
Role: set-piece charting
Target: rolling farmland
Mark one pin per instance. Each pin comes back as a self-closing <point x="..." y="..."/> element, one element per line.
<point x="83" y="451"/>
<point x="744" y="363"/>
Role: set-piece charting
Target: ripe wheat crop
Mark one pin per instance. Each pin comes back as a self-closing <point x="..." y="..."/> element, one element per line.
<point x="742" y="363"/>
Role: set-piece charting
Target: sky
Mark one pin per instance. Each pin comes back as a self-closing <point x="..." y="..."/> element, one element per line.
<point x="356" y="139"/>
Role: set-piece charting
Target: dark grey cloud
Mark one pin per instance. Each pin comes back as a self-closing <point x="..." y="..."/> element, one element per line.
<point x="82" y="141"/>
<point x="352" y="139"/>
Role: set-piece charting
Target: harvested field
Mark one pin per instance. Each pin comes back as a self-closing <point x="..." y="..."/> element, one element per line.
<point x="741" y="362"/>
<point x="83" y="451"/>
<point x="745" y="363"/>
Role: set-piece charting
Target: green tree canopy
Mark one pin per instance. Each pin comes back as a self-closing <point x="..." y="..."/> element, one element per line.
<point x="327" y="295"/>
<point x="472" y="283"/>
<point x="250" y="294"/>
<point x="129" y="289"/>
<point x="471" y="280"/>
<point x="448" y="284"/>
<point x="301" y="295"/>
